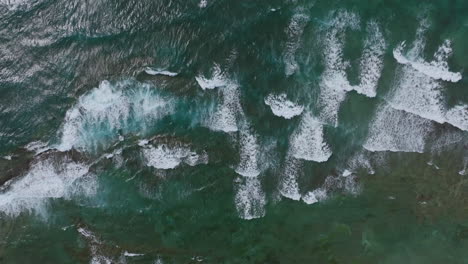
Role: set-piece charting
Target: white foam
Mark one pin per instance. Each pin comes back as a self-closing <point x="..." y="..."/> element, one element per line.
<point x="37" y="147"/>
<point x="358" y="161"/>
<point x="397" y="131"/>
<point x="418" y="89"/>
<point x="458" y="116"/>
<point x="98" y="116"/>
<point x="464" y="171"/>
<point x="250" y="199"/>
<point x="226" y="115"/>
<point x="7" y="157"/>
<point x="87" y="234"/>
<point x="418" y="94"/>
<point x="128" y="254"/>
<point x="315" y="196"/>
<point x="249" y="151"/>
<point x="218" y="79"/>
<point x="94" y="243"/>
<point x="45" y="180"/>
<point x="347" y="184"/>
<point x="347" y="173"/>
<point x="307" y="141"/>
<point x="142" y="142"/>
<point x="203" y="3"/>
<point x="294" y="32"/>
<point x="436" y="69"/>
<point x="371" y="64"/>
<point x="334" y="83"/>
<point x="282" y="107"/>
<point x="169" y="157"/>
<point x="100" y="259"/>
<point x="152" y="71"/>
<point x="288" y="185"/>
<point x="15" y="4"/>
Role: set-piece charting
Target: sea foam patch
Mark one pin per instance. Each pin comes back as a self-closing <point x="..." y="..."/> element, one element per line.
<point x="250" y="199"/>
<point x="418" y="88"/>
<point x="282" y="107"/>
<point x="437" y="69"/>
<point x="249" y="154"/>
<point x="294" y="32"/>
<point x="458" y="116"/>
<point x="371" y="64"/>
<point x="217" y="79"/>
<point x="153" y="71"/>
<point x="229" y="110"/>
<point x="101" y="115"/>
<point x="47" y="179"/>
<point x="334" y="83"/>
<point x="308" y="142"/>
<point x="166" y="157"/>
<point x="397" y="131"/>
<point x="315" y="196"/>
<point x="288" y="183"/>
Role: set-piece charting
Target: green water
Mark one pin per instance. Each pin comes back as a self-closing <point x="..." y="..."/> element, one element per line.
<point x="73" y="80"/>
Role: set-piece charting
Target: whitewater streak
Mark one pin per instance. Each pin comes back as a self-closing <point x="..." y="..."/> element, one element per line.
<point x="418" y="88"/>
<point x="229" y="117"/>
<point x="109" y="111"/>
<point x="49" y="178"/>
<point x="334" y="83"/>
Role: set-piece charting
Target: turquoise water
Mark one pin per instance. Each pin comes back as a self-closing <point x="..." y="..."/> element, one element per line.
<point x="233" y="131"/>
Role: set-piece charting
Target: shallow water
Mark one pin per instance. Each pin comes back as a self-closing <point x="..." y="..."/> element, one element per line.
<point x="221" y="131"/>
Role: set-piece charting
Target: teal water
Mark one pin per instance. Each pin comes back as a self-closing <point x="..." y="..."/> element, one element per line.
<point x="233" y="131"/>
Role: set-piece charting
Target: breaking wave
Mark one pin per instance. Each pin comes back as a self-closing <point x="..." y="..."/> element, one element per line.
<point x="111" y="110"/>
<point x="47" y="179"/>
<point x="282" y="107"/>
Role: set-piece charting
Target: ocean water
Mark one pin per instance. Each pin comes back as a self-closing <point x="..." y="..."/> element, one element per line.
<point x="219" y="131"/>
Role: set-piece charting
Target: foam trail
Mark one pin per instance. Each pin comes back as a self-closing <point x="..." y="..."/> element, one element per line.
<point x="315" y="196"/>
<point x="458" y="116"/>
<point x="282" y="107"/>
<point x="100" y="115"/>
<point x="45" y="180"/>
<point x="152" y="71"/>
<point x="436" y="69"/>
<point x="203" y="3"/>
<point x="250" y="199"/>
<point x="371" y="64"/>
<point x="288" y="185"/>
<point x="418" y="94"/>
<point x="37" y="147"/>
<point x="418" y="89"/>
<point x="15" y="4"/>
<point x="334" y="83"/>
<point x="360" y="161"/>
<point x="464" y="171"/>
<point x="249" y="151"/>
<point x="346" y="181"/>
<point x="97" y="257"/>
<point x="308" y="142"/>
<point x="128" y="254"/>
<point x="168" y="157"/>
<point x="397" y="131"/>
<point x="226" y="116"/>
<point x="294" y="33"/>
